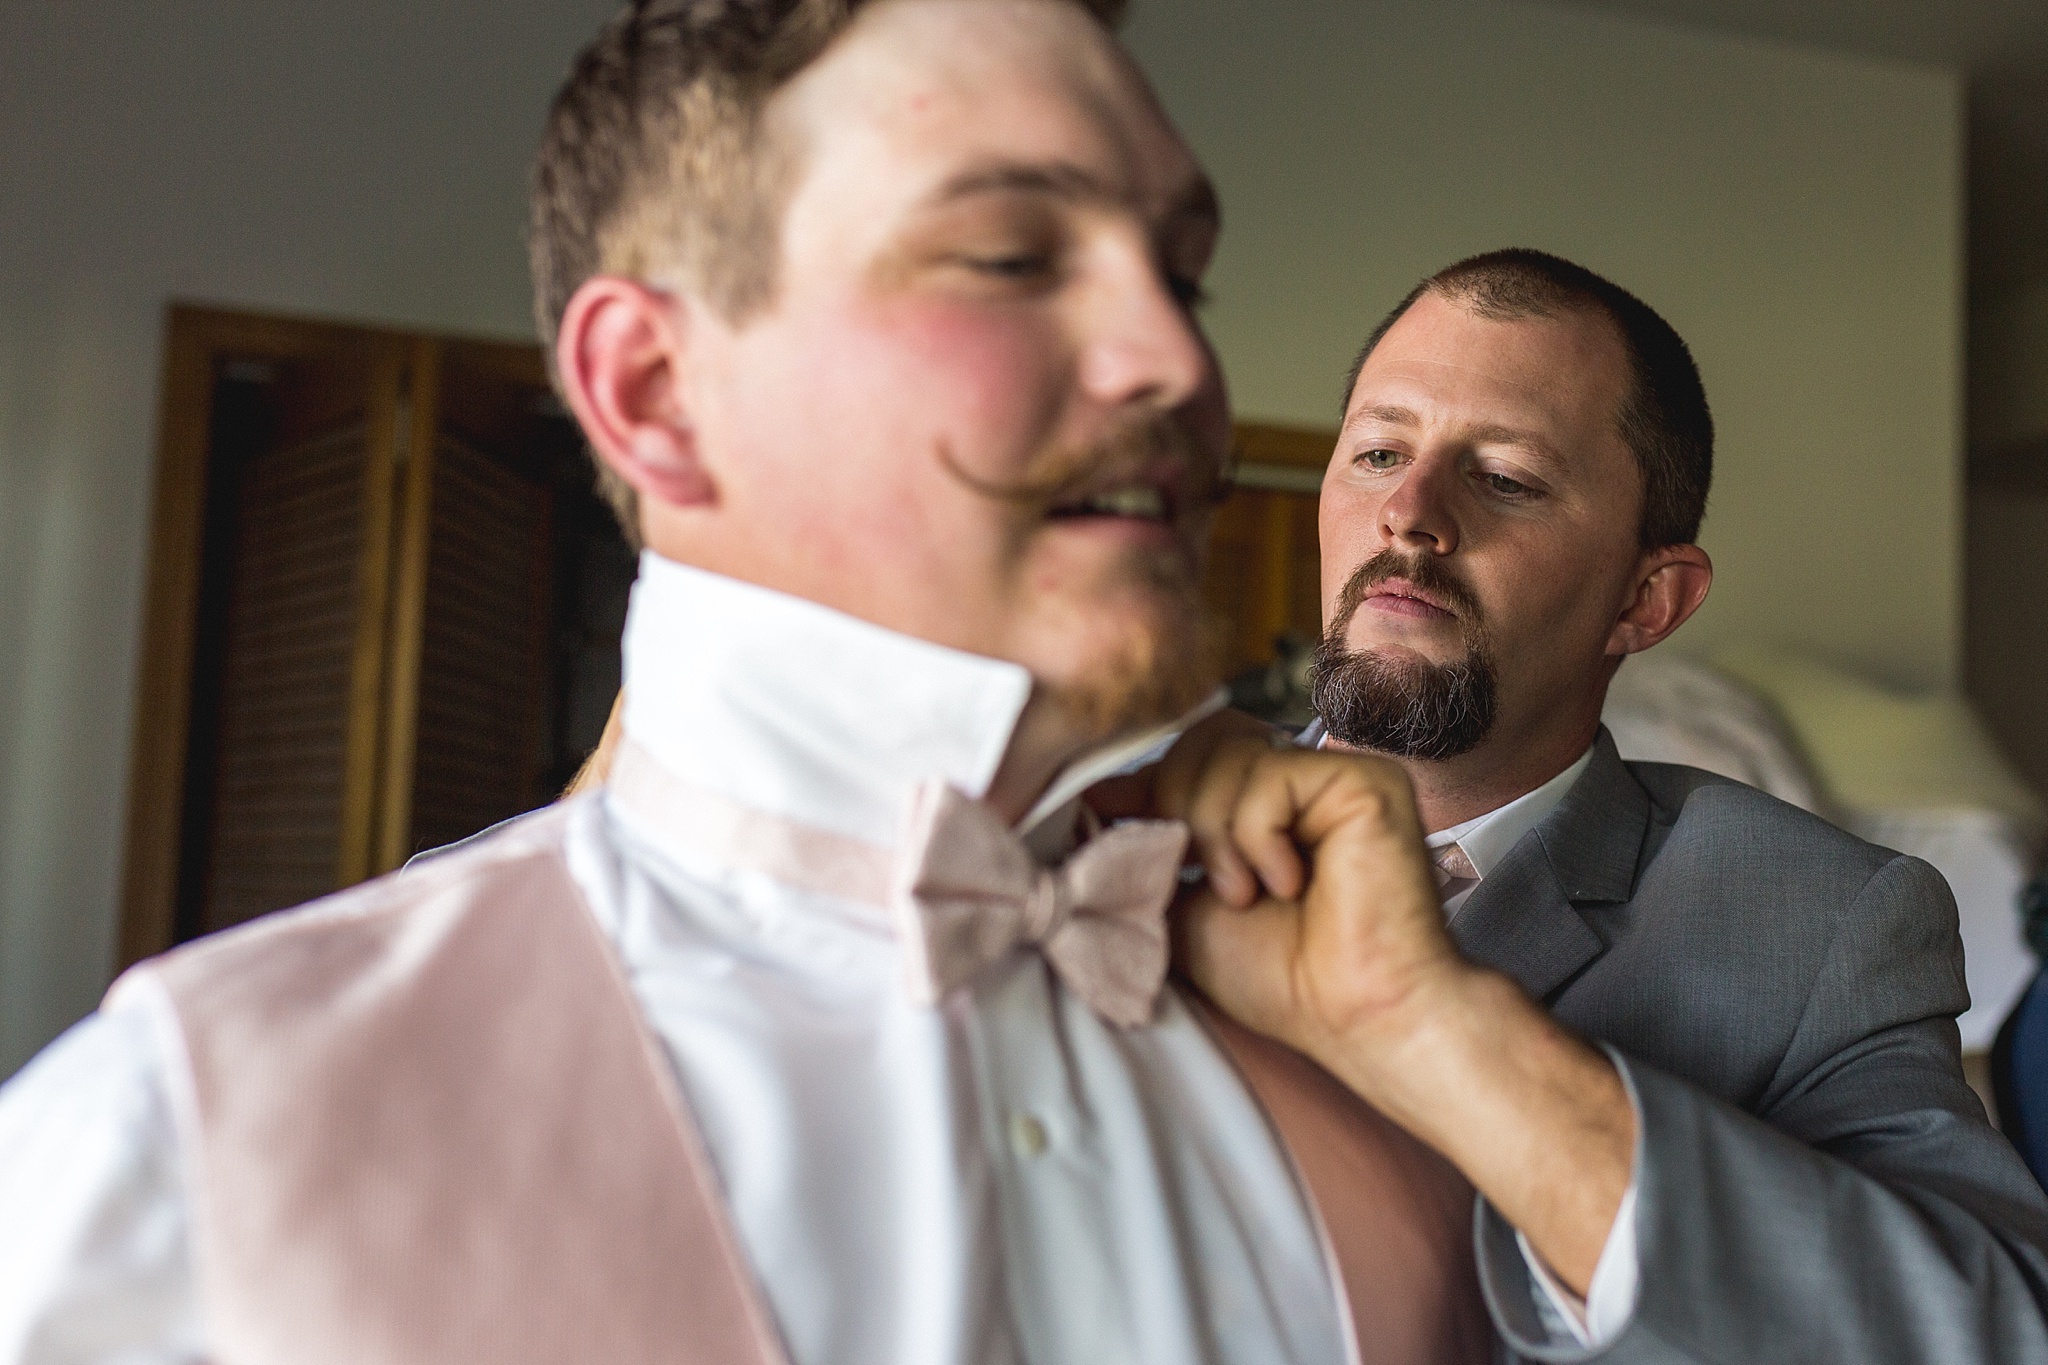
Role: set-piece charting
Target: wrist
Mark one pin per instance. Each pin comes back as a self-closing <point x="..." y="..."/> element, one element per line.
<point x="1408" y="1049"/>
<point x="1466" y="1058"/>
<point x="1535" y="1117"/>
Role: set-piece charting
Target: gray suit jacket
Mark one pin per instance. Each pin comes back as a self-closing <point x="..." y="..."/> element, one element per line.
<point x="1816" y="1181"/>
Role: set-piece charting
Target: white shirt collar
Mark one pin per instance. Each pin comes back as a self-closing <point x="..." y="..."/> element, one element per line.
<point x="1486" y="839"/>
<point x="793" y="709"/>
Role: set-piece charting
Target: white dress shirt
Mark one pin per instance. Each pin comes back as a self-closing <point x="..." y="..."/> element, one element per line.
<point x="1610" y="1299"/>
<point x="1006" y="1178"/>
<point x="1486" y="839"/>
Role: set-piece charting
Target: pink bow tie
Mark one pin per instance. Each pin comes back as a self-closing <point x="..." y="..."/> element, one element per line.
<point x="968" y="892"/>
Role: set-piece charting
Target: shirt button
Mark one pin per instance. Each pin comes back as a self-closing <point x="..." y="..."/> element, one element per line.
<point x="1028" y="1135"/>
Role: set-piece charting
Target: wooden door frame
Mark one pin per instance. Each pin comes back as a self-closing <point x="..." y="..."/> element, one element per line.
<point x="378" y="838"/>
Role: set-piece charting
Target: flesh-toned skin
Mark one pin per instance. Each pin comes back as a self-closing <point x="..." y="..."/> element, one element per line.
<point x="989" y="253"/>
<point x="1491" y="446"/>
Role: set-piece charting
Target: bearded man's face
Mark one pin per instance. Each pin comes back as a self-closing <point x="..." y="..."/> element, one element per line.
<point x="1479" y="535"/>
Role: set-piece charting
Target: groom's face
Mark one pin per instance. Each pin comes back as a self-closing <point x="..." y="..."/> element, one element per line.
<point x="979" y="408"/>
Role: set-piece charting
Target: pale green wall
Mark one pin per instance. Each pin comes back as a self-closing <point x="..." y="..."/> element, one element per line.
<point x="1796" y="215"/>
<point x="362" y="160"/>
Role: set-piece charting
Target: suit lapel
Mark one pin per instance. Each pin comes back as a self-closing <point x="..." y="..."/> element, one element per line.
<point x="1523" y="920"/>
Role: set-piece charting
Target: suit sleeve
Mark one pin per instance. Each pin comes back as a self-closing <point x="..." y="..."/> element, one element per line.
<point x="1865" y="1213"/>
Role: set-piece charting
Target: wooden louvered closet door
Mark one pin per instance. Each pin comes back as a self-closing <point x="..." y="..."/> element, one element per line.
<point x="384" y="610"/>
<point x="263" y="716"/>
<point x="294" y="605"/>
<point x="477" y="754"/>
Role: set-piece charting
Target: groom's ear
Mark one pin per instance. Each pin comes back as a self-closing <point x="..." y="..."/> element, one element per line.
<point x="621" y="357"/>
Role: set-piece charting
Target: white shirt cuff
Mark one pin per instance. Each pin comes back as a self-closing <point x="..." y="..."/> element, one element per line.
<point x="1595" y="1321"/>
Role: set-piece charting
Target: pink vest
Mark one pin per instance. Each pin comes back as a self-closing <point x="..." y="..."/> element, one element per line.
<point x="429" y="1124"/>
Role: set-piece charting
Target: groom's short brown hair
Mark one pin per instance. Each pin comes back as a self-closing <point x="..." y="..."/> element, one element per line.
<point x="653" y="161"/>
<point x="653" y="155"/>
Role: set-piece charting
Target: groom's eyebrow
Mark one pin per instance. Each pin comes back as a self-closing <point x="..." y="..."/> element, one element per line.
<point x="1193" y="200"/>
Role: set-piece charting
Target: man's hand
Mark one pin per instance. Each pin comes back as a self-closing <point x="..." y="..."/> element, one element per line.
<point x="1277" y="947"/>
<point x="1343" y="954"/>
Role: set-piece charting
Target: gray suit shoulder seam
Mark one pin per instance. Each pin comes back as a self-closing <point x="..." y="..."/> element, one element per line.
<point x="1844" y="913"/>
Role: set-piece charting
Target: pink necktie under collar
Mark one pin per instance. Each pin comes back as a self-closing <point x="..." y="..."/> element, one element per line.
<point x="1454" y="871"/>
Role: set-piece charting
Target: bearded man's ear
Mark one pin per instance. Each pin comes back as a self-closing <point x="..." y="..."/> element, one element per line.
<point x="1671" y="582"/>
<point x="619" y="354"/>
